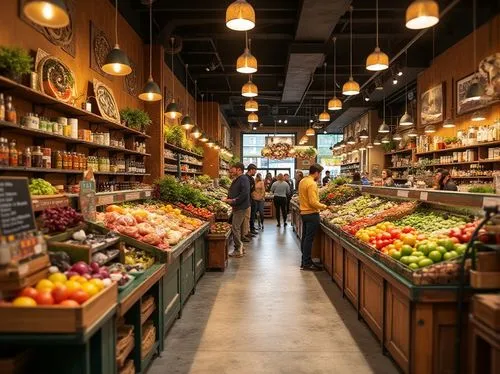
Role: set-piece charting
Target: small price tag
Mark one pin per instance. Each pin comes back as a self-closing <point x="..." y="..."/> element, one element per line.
<point x="402" y="193"/>
<point x="147" y="193"/>
<point x="132" y="196"/>
<point x="491" y="201"/>
<point x="105" y="200"/>
<point x="424" y="196"/>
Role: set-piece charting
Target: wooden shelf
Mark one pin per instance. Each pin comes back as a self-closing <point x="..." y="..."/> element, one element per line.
<point x="399" y="152"/>
<point x="39" y="170"/>
<point x="123" y="173"/>
<point x="182" y="150"/>
<point x="192" y="163"/>
<point x="170" y="159"/>
<point x="400" y="167"/>
<point x="115" y="197"/>
<point x="350" y="163"/>
<point x="66" y="139"/>
<point x="18" y="90"/>
<point x="479" y="145"/>
<point x="475" y="177"/>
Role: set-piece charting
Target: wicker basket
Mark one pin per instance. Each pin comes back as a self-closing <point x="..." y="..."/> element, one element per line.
<point x="125" y="343"/>
<point x="128" y="368"/>
<point x="148" y="338"/>
<point x="147" y="307"/>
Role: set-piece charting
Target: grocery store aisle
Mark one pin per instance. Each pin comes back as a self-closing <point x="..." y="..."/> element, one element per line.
<point x="264" y="315"/>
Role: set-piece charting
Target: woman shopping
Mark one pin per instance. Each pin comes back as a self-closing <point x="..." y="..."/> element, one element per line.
<point x="258" y="197"/>
<point x="281" y="190"/>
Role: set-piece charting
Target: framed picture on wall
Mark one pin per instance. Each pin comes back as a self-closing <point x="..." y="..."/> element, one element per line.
<point x="432" y="105"/>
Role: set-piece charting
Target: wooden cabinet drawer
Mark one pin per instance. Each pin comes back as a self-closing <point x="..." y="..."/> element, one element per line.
<point x="338" y="263"/>
<point x="171" y="294"/>
<point x="371" y="299"/>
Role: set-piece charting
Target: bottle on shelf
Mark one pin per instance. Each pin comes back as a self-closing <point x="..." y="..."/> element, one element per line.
<point x="37" y="157"/>
<point x="2" y="108"/>
<point x="13" y="155"/>
<point x="10" y="111"/>
<point x="27" y="157"/>
<point x="4" y="152"/>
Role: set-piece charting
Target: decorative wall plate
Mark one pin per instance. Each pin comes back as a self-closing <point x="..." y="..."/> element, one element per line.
<point x="62" y="37"/>
<point x="131" y="81"/>
<point x="106" y="102"/>
<point x="99" y="48"/>
<point x="56" y="79"/>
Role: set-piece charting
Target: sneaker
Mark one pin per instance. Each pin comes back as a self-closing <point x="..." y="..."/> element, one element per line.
<point x="255" y="232"/>
<point x="312" y="267"/>
<point x="286" y="224"/>
<point x="245" y="240"/>
<point x="236" y="254"/>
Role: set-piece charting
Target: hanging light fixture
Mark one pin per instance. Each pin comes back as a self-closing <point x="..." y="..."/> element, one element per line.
<point x="151" y="91"/>
<point x="210" y="143"/>
<point x="310" y="132"/>
<point x="397" y="136"/>
<point x="196" y="133"/>
<point x="363" y="134"/>
<point x="362" y="147"/>
<point x="324" y="116"/>
<point x="253" y="118"/>
<point x="203" y="138"/>
<point x="246" y="63"/>
<point x="386" y="139"/>
<point x="187" y="122"/>
<point x="478" y="115"/>
<point x="303" y="140"/>
<point x="351" y="141"/>
<point x="448" y="123"/>
<point x="334" y="103"/>
<point x="430" y="129"/>
<point x="216" y="146"/>
<point x="351" y="87"/>
<point x="384" y="127"/>
<point x="377" y="141"/>
<point x="412" y="133"/>
<point x="422" y="14"/>
<point x="369" y="145"/>
<point x="377" y="60"/>
<point x="117" y="62"/>
<point x="47" y="13"/>
<point x="251" y="106"/>
<point x="406" y="119"/>
<point x="249" y="89"/>
<point x="476" y="89"/>
<point x="172" y="111"/>
<point x="240" y="16"/>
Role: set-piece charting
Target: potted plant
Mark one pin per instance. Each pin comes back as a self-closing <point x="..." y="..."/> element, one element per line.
<point x="14" y="62"/>
<point x="135" y="119"/>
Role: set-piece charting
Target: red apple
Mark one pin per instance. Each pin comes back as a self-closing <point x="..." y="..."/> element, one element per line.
<point x="60" y="293"/>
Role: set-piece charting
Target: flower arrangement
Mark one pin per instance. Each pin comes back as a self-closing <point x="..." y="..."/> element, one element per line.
<point x="305" y="152"/>
<point x="277" y="151"/>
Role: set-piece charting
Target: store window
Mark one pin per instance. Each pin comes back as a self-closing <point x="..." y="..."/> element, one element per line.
<point x="325" y="156"/>
<point x="253" y="144"/>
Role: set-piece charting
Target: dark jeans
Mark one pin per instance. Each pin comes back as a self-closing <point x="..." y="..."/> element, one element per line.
<point x="259" y="207"/>
<point x="280" y="205"/>
<point x="253" y="212"/>
<point x="310" y="225"/>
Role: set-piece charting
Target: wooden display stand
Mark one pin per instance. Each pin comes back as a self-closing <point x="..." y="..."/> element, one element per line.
<point x="269" y="208"/>
<point x="218" y="248"/>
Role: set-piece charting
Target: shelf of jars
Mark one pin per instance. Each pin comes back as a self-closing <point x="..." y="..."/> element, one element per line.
<point x="18" y="90"/>
<point x="400" y="151"/>
<point x="183" y="151"/>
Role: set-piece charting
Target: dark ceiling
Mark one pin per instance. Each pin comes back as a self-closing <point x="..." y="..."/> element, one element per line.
<point x="291" y="40"/>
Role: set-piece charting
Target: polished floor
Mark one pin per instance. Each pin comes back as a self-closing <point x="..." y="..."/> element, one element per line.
<point x="263" y="315"/>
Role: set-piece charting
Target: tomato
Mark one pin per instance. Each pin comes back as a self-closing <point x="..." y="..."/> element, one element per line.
<point x="407" y="229"/>
<point x="29" y="292"/>
<point x="44" y="298"/>
<point x="60" y="293"/>
<point x="79" y="296"/>
<point x="395" y="233"/>
<point x="454" y="240"/>
<point x="69" y="303"/>
<point x="465" y="238"/>
<point x="379" y="244"/>
<point x="379" y="236"/>
<point x="386" y="236"/>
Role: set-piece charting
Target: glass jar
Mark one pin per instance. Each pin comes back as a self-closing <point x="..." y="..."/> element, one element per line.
<point x="13" y="155"/>
<point x="4" y="152"/>
<point x="27" y="157"/>
<point x="37" y="157"/>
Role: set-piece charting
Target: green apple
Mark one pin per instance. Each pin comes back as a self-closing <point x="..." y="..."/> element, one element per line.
<point x="435" y="256"/>
<point x="405" y="260"/>
<point x="413" y="266"/>
<point x="425" y="262"/>
<point x="441" y="249"/>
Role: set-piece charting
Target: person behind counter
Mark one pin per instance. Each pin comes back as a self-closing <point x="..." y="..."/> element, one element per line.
<point x="356" y="178"/>
<point x="327" y="178"/>
<point x="387" y="178"/>
<point x="281" y="190"/>
<point x="365" y="181"/>
<point x="443" y="181"/>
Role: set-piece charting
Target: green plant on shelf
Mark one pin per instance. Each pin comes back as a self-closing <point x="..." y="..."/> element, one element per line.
<point x="198" y="150"/>
<point x="174" y="134"/>
<point x="450" y="140"/>
<point x="15" y="62"/>
<point x="388" y="147"/>
<point x="136" y="119"/>
<point x="482" y="189"/>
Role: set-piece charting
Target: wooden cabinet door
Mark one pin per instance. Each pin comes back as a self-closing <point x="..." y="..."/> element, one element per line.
<point x="397" y="327"/>
<point x="327" y="254"/>
<point x="338" y="263"/>
<point x="351" y="278"/>
<point x="371" y="299"/>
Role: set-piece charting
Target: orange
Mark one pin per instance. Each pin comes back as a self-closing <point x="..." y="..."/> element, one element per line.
<point x="45" y="284"/>
<point x="24" y="301"/>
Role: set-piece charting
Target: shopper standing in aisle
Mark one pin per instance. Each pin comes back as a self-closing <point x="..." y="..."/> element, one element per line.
<point x="239" y="198"/>
<point x="281" y="190"/>
<point x="268" y="181"/>
<point x="309" y="212"/>
<point x="249" y="224"/>
<point x="258" y="196"/>
<point x="290" y="193"/>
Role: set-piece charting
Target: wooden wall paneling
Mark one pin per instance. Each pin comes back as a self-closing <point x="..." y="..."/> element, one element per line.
<point x="397" y="327"/>
<point x="371" y="295"/>
<point x="351" y="277"/>
<point x="338" y="264"/>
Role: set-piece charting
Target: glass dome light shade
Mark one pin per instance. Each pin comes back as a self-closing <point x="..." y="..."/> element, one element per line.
<point x="172" y="111"/>
<point x="187" y="122"/>
<point x="249" y="89"/>
<point x="406" y="120"/>
<point x="253" y="118"/>
<point x="363" y="134"/>
<point x="384" y="128"/>
<point x="251" y="106"/>
<point x="310" y="132"/>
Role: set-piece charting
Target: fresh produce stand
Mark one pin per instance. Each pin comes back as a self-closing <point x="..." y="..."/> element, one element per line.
<point x="413" y="313"/>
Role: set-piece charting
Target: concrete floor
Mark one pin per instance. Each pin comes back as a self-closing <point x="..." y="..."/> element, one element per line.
<point x="264" y="315"/>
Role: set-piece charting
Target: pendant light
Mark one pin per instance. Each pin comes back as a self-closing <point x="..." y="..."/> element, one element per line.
<point x="324" y="116"/>
<point x="334" y="103"/>
<point x="478" y="115"/>
<point x="384" y="127"/>
<point x="172" y="111"/>
<point x="377" y="141"/>
<point x="253" y="118"/>
<point x="430" y="129"/>
<point x="151" y="91"/>
<point x="246" y="63"/>
<point x="406" y="119"/>
<point x="377" y="60"/>
<point x="422" y="14"/>
<point x="196" y="133"/>
<point x="117" y="62"/>
<point x="249" y="89"/>
<point x="203" y="138"/>
<point x="386" y="139"/>
<point x="310" y="132"/>
<point x="240" y="16"/>
<point x="350" y="139"/>
<point x="363" y="134"/>
<point x="187" y="122"/>
<point x="251" y="106"/>
<point x="47" y="13"/>
<point x="476" y="89"/>
<point x="397" y="136"/>
<point x="412" y="133"/>
<point x="449" y="123"/>
<point x="210" y="143"/>
<point x="369" y="145"/>
<point x="304" y="139"/>
<point x="216" y="146"/>
<point x="351" y="87"/>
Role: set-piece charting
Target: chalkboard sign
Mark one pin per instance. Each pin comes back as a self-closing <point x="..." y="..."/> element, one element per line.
<point x="88" y="200"/>
<point x="16" y="212"/>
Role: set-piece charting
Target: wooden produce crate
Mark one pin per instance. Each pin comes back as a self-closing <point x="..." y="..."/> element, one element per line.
<point x="218" y="248"/>
<point x="56" y="319"/>
<point x="268" y="208"/>
<point x="51" y="201"/>
<point x="16" y="276"/>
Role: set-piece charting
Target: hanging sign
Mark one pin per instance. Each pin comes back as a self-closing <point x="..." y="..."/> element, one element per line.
<point x="16" y="211"/>
<point x="88" y="200"/>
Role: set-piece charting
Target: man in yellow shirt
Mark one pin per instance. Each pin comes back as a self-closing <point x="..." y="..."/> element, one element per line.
<point x="309" y="211"/>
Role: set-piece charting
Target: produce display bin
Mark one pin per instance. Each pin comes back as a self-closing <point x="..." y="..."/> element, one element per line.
<point x="218" y="248"/>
